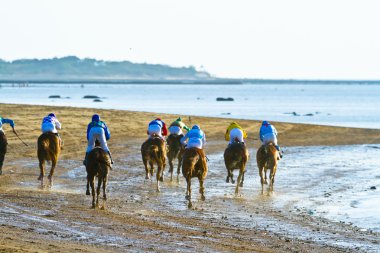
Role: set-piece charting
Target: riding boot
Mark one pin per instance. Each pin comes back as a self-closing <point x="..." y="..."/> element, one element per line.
<point x="85" y="159"/>
<point x="279" y="151"/>
<point x="109" y="153"/>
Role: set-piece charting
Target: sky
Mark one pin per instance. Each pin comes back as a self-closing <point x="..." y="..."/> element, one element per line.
<point x="300" y="39"/>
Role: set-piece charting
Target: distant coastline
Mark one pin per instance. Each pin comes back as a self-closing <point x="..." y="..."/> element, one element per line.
<point x="221" y="81"/>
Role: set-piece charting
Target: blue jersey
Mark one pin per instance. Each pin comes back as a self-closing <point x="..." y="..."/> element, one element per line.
<point x="99" y="124"/>
<point x="266" y="129"/>
<point x="194" y="134"/>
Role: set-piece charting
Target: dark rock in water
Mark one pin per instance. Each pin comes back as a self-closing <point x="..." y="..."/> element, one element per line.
<point x="308" y="114"/>
<point x="98" y="100"/>
<point x="224" y="99"/>
<point x="54" y="96"/>
<point x="373" y="188"/>
<point x="91" y="97"/>
<point x="226" y="113"/>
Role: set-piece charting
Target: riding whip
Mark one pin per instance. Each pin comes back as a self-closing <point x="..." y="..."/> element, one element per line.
<point x="14" y="131"/>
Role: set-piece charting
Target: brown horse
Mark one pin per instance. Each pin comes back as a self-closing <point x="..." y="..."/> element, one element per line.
<point x="236" y="157"/>
<point x="194" y="165"/>
<point x="48" y="150"/>
<point x="153" y="151"/>
<point x="98" y="164"/>
<point x="3" y="149"/>
<point x="267" y="159"/>
<point x="175" y="151"/>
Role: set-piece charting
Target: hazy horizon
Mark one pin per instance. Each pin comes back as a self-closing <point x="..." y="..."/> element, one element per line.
<point x="323" y="40"/>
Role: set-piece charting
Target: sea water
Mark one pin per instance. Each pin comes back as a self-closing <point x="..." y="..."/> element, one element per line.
<point x="352" y="105"/>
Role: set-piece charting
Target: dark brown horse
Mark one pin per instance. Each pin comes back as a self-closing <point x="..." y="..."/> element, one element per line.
<point x="153" y="151"/>
<point x="267" y="160"/>
<point x="98" y="164"/>
<point x="194" y="165"/>
<point x="3" y="149"/>
<point x="236" y="157"/>
<point x="175" y="151"/>
<point x="48" y="148"/>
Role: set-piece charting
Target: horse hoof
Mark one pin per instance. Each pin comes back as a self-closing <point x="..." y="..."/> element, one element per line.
<point x="87" y="192"/>
<point x="158" y="190"/>
<point x="40" y="177"/>
<point x="146" y="177"/>
<point x="93" y="206"/>
<point x="187" y="197"/>
<point x="190" y="205"/>
<point x="203" y="198"/>
<point x="241" y="184"/>
<point x="162" y="179"/>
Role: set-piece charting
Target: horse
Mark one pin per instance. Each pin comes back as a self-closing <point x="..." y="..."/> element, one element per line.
<point x="48" y="150"/>
<point x="175" y="151"/>
<point x="153" y="151"/>
<point x="3" y="149"/>
<point x="266" y="158"/>
<point x="194" y="165"/>
<point x="236" y="157"/>
<point x="98" y="164"/>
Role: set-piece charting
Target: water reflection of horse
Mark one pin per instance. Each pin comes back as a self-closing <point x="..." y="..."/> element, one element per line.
<point x="98" y="164"/>
<point x="236" y="157"/>
<point x="267" y="160"/>
<point x="153" y="151"/>
<point x="48" y="149"/>
<point x="194" y="165"/>
<point x="3" y="149"/>
<point x="175" y="151"/>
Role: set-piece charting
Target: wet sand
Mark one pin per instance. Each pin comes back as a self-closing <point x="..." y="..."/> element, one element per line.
<point x="139" y="219"/>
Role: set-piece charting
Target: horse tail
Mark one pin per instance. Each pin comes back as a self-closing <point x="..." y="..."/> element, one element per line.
<point x="155" y="152"/>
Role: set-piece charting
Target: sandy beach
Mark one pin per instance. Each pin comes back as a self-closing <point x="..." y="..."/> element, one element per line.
<point x="137" y="219"/>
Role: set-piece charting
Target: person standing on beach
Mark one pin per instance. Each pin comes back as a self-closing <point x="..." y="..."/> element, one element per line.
<point x="268" y="133"/>
<point x="97" y="130"/>
<point x="177" y="126"/>
<point x="157" y="127"/>
<point x="50" y="124"/>
<point x="3" y="140"/>
<point x="197" y="138"/>
<point x="235" y="131"/>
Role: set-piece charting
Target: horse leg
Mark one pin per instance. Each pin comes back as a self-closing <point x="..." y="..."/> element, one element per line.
<point x="50" y="177"/>
<point x="42" y="171"/>
<point x="92" y="183"/>
<point x="201" y="188"/>
<point x="179" y="168"/>
<point x="242" y="179"/>
<point x="158" y="177"/>
<point x="2" y="155"/>
<point x="241" y="173"/>
<point x="151" y="168"/>
<point x="188" y="193"/>
<point x="272" y="174"/>
<point x="88" y="186"/>
<point x="146" y="168"/>
<point x="105" y="180"/>
<point x="261" y="171"/>
<point x="171" y="167"/>
<point x="100" y="179"/>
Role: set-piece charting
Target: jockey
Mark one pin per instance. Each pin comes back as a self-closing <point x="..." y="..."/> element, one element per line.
<point x="97" y="130"/>
<point x="177" y="126"/>
<point x="268" y="134"/>
<point x="50" y="124"/>
<point x="6" y="121"/>
<point x="197" y="138"/>
<point x="235" y="131"/>
<point x="157" y="127"/>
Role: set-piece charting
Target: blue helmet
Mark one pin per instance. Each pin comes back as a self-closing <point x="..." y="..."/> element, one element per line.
<point x="265" y="123"/>
<point x="195" y="127"/>
<point x="51" y="115"/>
<point x="96" y="117"/>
